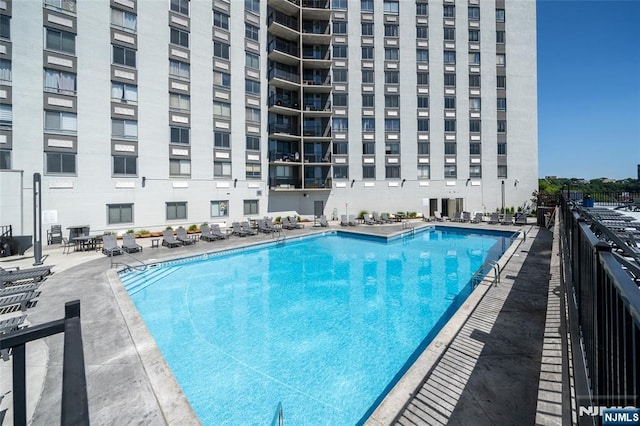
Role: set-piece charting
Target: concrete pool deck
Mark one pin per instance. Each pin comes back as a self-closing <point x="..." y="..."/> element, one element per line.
<point x="129" y="383"/>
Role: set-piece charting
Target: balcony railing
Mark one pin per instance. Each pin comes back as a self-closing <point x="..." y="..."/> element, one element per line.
<point x="283" y="128"/>
<point x="284" y="47"/>
<point x="317" y="182"/>
<point x="282" y="19"/>
<point x="285" y="183"/>
<point x="317" y="80"/>
<point x="317" y="106"/>
<point x="318" y="131"/>
<point x="315" y="28"/>
<point x="285" y="101"/>
<point x="316" y="4"/>
<point x="284" y="75"/>
<point x="322" y="54"/>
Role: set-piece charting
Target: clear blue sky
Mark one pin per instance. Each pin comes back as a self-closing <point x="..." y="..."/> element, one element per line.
<point x="588" y="88"/>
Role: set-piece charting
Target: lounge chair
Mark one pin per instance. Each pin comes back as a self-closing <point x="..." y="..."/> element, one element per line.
<point x="181" y="235"/>
<point x="323" y="221"/>
<point x="477" y="218"/>
<point x="8" y="325"/>
<point x="439" y="217"/>
<point x="368" y="220"/>
<point x="385" y="218"/>
<point x="521" y="218"/>
<point x="294" y="222"/>
<point x="507" y="219"/>
<point x="129" y="244"/>
<point x="17" y="289"/>
<point x="216" y="232"/>
<point x="352" y="220"/>
<point x="21" y="299"/>
<point x="377" y="218"/>
<point x="168" y="240"/>
<point x="269" y="222"/>
<point x="237" y="230"/>
<point x="344" y="221"/>
<point x="205" y="234"/>
<point x="466" y="217"/>
<point x="110" y="245"/>
<point x="262" y="226"/>
<point x="16" y="275"/>
<point x="494" y="219"/>
<point x="246" y="227"/>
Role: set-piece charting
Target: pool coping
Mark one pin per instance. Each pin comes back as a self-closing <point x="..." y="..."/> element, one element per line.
<point x="174" y="404"/>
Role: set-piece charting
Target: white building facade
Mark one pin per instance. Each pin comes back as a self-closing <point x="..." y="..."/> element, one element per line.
<point x="140" y="114"/>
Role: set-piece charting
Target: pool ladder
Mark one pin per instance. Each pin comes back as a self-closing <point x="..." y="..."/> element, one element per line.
<point x="410" y="227"/>
<point x="279" y="235"/>
<point x="278" y="418"/>
<point x="478" y="276"/>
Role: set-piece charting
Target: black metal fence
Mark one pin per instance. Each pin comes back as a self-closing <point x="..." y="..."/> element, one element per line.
<point x="604" y="316"/>
<point x="75" y="408"/>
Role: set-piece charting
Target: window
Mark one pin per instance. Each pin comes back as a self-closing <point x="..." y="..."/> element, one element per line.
<point x="253" y="171"/>
<point x="176" y="210"/>
<point x="474" y="148"/>
<point x="449" y="57"/>
<point x="391" y="124"/>
<point x="500" y="37"/>
<point x="179" y="102"/>
<point x="179" y="167"/>
<point x="391" y="54"/>
<point x="5" y="27"/>
<point x="423" y="78"/>
<point x="220" y="208"/>
<point x="423" y="101"/>
<point x="252" y="5"/>
<point x="449" y="11"/>
<point x="422" y="55"/>
<point x="367" y="28"/>
<point x="366" y="5"/>
<point x="474" y="104"/>
<point x="502" y="104"/>
<point x="368" y="124"/>
<point x="54" y="81"/>
<point x="391" y="77"/>
<point x="474" y="35"/>
<point x="392" y="172"/>
<point x="220" y="50"/>
<point x="390" y="30"/>
<point x="450" y="171"/>
<point x="501" y="81"/>
<point x="474" y="58"/>
<point x="449" y="102"/>
<point x="220" y="20"/>
<point x="339" y="4"/>
<point x="250" y="207"/>
<point x="449" y="79"/>
<point x="5" y="159"/>
<point x="502" y="126"/>
<point x="449" y="33"/>
<point x="125" y="93"/>
<point x="340" y="51"/>
<point x="367" y="76"/>
<point x="124" y="20"/>
<point x="124" y="129"/>
<point x="253" y="143"/>
<point x="422" y="9"/>
<point x="391" y="7"/>
<point x="221" y="79"/>
<point x="368" y="172"/>
<point x="450" y="148"/>
<point x="368" y="148"/>
<point x="367" y="53"/>
<point x="502" y="148"/>
<point x="368" y="100"/>
<point x="341" y="172"/>
<point x="474" y="13"/>
<point x="500" y="59"/>
<point x="57" y="162"/>
<point x="449" y="125"/>
<point x="474" y="125"/>
<point x="252" y="32"/>
<point x="5" y="73"/>
<point x="499" y="15"/>
<point x="222" y="169"/>
<point x="340" y="100"/>
<point x="339" y="27"/>
<point x="422" y="31"/>
<point x="475" y="171"/>
<point x="424" y="172"/>
<point x="423" y="148"/>
<point x="474" y="80"/>
<point x="58" y="122"/>
<point x="221" y="139"/>
<point x="180" y="6"/>
<point x="423" y="124"/>
<point x="392" y="101"/>
<point x="502" y="172"/>
<point x="180" y="38"/>
<point x="341" y="148"/>
<point x="122" y="56"/>
<point x="179" y="69"/>
<point x="340" y="76"/>
<point x="61" y="41"/>
<point x="221" y="109"/>
<point x="252" y="87"/>
<point x="125" y="165"/>
<point x="340" y="124"/>
<point x="119" y="213"/>
<point x="179" y="135"/>
<point x="252" y="114"/>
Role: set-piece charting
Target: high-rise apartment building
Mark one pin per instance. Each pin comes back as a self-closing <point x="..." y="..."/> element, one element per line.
<point x="147" y="113"/>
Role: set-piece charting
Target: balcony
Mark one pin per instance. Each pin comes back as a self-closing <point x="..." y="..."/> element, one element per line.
<point x="283" y="25"/>
<point x="284" y="104"/>
<point x="316" y="9"/>
<point x="283" y="51"/>
<point x="316" y="52"/>
<point x="284" y="183"/>
<point x="283" y="79"/>
<point x="284" y="129"/>
<point x="317" y="131"/>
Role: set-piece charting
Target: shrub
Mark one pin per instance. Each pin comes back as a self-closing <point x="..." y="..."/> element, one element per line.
<point x="130" y="231"/>
<point x="144" y="232"/>
<point x="362" y="214"/>
<point x="169" y="228"/>
<point x="413" y="214"/>
<point x="192" y="228"/>
<point x="278" y="219"/>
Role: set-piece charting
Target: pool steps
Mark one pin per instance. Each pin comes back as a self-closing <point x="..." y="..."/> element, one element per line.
<point x="134" y="283"/>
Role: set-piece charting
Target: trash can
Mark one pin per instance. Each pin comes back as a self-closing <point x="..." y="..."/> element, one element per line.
<point x="587" y="201"/>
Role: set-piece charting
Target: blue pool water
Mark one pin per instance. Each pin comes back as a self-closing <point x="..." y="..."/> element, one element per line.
<point x="325" y="324"/>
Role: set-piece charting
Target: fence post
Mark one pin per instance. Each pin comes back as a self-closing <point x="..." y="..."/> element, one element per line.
<point x="75" y="407"/>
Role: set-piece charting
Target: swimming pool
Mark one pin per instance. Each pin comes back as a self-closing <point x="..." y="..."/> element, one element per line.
<point x="324" y="324"/>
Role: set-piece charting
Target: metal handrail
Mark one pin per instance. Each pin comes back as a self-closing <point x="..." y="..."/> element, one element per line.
<point x="128" y="267"/>
<point x="495" y="267"/>
<point x="278" y="418"/>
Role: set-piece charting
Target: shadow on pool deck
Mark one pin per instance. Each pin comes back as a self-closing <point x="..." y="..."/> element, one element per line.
<point x="489" y="374"/>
